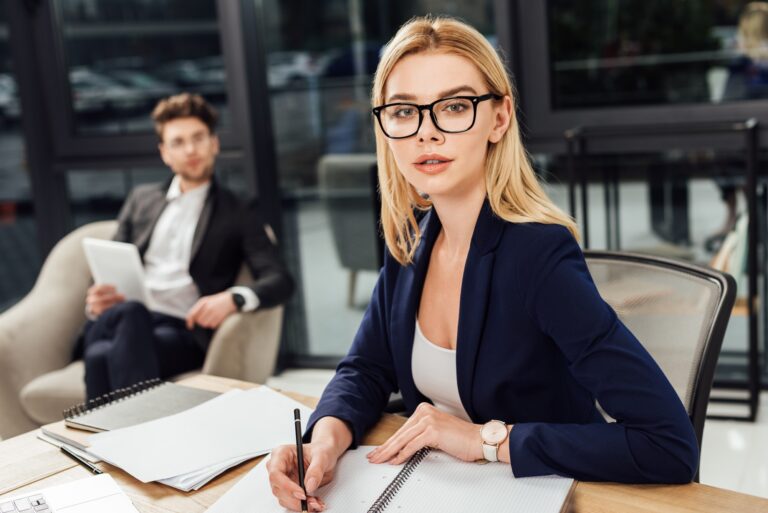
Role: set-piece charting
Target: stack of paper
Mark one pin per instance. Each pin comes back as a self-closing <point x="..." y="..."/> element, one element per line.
<point x="189" y="449"/>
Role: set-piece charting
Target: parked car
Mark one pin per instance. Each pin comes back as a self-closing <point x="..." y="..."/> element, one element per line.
<point x="93" y="92"/>
<point x="288" y="69"/>
<point x="150" y="88"/>
<point x="205" y="76"/>
<point x="341" y="61"/>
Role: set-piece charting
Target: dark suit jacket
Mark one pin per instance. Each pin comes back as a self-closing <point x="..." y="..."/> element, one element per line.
<point x="229" y="233"/>
<point x="536" y="346"/>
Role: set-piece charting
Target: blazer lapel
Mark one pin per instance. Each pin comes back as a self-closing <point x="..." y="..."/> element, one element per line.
<point x="204" y="220"/>
<point x="473" y="304"/>
<point x="405" y="302"/>
<point x="154" y="207"/>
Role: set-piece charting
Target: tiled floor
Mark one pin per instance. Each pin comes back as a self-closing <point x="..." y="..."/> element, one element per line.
<point x="734" y="454"/>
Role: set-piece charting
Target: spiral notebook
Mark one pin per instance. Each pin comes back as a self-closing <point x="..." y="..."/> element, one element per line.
<point x="430" y="481"/>
<point x="145" y="401"/>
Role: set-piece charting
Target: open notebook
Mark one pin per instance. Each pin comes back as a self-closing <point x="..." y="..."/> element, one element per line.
<point x="430" y="481"/>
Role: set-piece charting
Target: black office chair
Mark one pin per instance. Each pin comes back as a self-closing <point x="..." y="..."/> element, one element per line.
<point x="678" y="311"/>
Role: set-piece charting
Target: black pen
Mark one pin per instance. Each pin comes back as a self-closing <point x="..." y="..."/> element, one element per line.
<point x="87" y="464"/>
<point x="300" y="455"/>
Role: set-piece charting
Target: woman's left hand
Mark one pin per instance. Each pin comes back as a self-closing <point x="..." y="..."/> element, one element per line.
<point x="430" y="427"/>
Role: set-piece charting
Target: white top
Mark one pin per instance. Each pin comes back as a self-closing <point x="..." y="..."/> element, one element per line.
<point x="434" y="372"/>
<point x="166" y="262"/>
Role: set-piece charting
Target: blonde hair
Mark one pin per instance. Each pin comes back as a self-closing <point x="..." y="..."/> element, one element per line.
<point x="512" y="189"/>
<point x="753" y="31"/>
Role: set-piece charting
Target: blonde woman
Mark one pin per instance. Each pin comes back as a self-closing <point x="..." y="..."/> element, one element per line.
<point x="484" y="317"/>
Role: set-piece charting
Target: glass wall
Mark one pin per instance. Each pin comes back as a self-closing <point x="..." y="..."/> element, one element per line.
<point x="320" y="67"/>
<point x="123" y="56"/>
<point x="19" y="252"/>
<point x="639" y="52"/>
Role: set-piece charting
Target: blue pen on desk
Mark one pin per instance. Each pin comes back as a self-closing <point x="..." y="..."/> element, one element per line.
<point x="300" y="455"/>
<point x="87" y="464"/>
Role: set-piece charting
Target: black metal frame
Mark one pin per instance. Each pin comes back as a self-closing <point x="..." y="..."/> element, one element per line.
<point x="67" y="143"/>
<point x="576" y="139"/>
<point x="714" y="338"/>
<point x="545" y="125"/>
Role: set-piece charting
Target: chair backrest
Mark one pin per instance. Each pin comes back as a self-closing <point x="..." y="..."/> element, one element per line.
<point x="345" y="185"/>
<point x="679" y="313"/>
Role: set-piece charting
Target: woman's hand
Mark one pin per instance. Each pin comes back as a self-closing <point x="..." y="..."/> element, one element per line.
<point x="430" y="427"/>
<point x="319" y="462"/>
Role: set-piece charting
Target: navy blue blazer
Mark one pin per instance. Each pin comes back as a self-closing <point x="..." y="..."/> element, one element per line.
<point x="536" y="346"/>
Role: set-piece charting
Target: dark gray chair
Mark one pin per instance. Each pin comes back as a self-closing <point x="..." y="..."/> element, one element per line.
<point x="345" y="184"/>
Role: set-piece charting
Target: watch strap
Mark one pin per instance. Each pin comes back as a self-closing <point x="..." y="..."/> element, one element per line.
<point x="490" y="452"/>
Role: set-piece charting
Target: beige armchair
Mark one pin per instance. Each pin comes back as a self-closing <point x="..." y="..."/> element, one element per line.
<point x="38" y="380"/>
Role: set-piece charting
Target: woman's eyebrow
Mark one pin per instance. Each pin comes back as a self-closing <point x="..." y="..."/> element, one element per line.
<point x="444" y="94"/>
<point x="457" y="90"/>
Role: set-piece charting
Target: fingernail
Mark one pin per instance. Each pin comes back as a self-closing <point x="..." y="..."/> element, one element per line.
<point x="299" y="495"/>
<point x="311" y="484"/>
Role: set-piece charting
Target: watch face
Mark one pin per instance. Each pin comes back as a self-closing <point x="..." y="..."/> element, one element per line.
<point x="493" y="432"/>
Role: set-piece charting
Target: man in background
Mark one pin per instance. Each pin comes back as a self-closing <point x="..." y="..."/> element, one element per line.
<point x="193" y="236"/>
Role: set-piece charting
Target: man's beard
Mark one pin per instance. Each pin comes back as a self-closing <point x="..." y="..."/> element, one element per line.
<point x="194" y="178"/>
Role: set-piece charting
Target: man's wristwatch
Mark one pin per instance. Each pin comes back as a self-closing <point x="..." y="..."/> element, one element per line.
<point x="493" y="433"/>
<point x="239" y="301"/>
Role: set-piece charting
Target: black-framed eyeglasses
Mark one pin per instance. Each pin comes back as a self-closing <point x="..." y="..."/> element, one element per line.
<point x="451" y="115"/>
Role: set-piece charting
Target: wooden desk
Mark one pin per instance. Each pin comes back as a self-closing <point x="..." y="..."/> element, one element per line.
<point x="27" y="464"/>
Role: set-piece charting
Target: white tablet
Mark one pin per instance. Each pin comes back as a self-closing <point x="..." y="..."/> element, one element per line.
<point x="118" y="264"/>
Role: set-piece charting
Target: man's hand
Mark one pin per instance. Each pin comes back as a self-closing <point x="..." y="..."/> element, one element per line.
<point x="210" y="311"/>
<point x="101" y="298"/>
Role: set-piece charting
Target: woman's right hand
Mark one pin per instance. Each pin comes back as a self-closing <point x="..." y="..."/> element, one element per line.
<point x="319" y="464"/>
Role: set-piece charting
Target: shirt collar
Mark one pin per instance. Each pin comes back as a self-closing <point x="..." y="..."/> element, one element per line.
<point x="174" y="191"/>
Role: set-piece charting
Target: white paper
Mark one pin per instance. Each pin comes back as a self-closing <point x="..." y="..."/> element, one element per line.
<point x="440" y="483"/>
<point x="198" y="479"/>
<point x="231" y="426"/>
<point x="448" y="485"/>
<point x="356" y="484"/>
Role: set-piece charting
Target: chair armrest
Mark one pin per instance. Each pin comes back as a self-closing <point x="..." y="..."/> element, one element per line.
<point x="245" y="346"/>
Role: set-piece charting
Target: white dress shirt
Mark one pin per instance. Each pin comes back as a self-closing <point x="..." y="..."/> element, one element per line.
<point x="167" y="259"/>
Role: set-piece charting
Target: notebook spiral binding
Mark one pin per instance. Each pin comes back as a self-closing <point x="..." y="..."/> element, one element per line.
<point x="383" y="500"/>
<point x="115" y="395"/>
